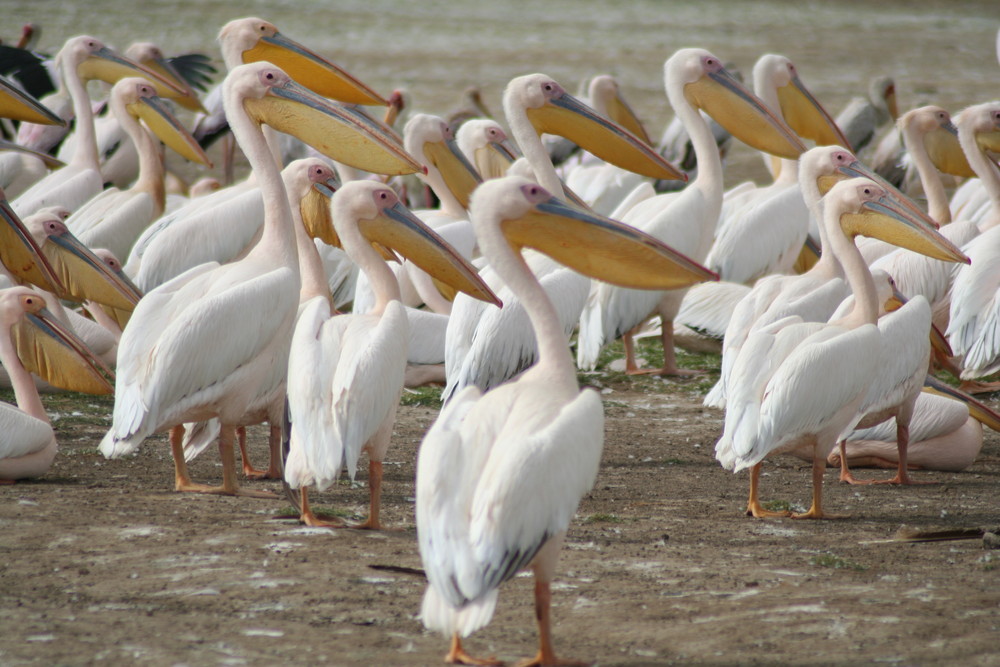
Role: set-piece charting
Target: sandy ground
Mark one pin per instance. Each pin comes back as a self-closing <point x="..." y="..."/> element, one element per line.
<point x="102" y="563"/>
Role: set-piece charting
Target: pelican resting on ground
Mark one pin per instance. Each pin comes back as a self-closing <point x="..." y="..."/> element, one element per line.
<point x="499" y="474"/>
<point x="32" y="340"/>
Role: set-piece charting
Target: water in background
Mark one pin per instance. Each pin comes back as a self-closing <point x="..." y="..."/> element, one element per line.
<point x="939" y="52"/>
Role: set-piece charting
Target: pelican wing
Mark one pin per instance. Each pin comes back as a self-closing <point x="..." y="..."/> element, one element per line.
<point x="906" y="349"/>
<point x="975" y="310"/>
<point x="23" y="434"/>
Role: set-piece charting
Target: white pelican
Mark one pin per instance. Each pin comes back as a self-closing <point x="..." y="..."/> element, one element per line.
<point x="694" y="80"/>
<point x="800" y="383"/>
<point x="499" y="475"/>
<point x="81" y="59"/>
<point x="975" y="306"/>
<point x="486" y="346"/>
<point x="485" y="145"/>
<point x="115" y="218"/>
<point x="199" y="346"/>
<point x="863" y="116"/>
<point x="30" y="336"/>
<point x="765" y="235"/>
<point x="346" y="372"/>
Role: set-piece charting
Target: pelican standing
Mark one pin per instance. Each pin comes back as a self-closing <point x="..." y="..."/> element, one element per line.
<point x="499" y="474"/>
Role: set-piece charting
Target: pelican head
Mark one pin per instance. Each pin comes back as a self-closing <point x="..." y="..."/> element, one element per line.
<point x="345" y="134"/>
<point x="151" y="57"/>
<point x="550" y="109"/>
<point x="139" y="98"/>
<point x="696" y="77"/>
<point x="484" y="142"/>
<point x="249" y="40"/>
<point x="310" y="183"/>
<point x="430" y="140"/>
<point x="381" y="218"/>
<point x="19" y="105"/>
<point x="21" y="254"/>
<point x="606" y="98"/>
<point x="979" y="127"/>
<point x="777" y="78"/>
<point x="868" y="210"/>
<point x="83" y="276"/>
<point x="93" y="60"/>
<point x="529" y="217"/>
<point x="47" y="348"/>
<point x="933" y="125"/>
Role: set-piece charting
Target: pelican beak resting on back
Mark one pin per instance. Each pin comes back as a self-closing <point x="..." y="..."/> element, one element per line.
<point x="18" y="105"/>
<point x="257" y="40"/>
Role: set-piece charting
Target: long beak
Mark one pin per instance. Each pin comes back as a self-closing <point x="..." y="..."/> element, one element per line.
<point x="108" y="66"/>
<point x="989" y="140"/>
<point x="979" y="411"/>
<point x="807" y="117"/>
<point x="603" y="248"/>
<point x="743" y="114"/>
<point x="161" y="120"/>
<point x="339" y="132"/>
<point x="460" y="176"/>
<point x="187" y="97"/>
<point x="315" y="210"/>
<point x="21" y="255"/>
<point x="54" y="353"/>
<point x="50" y="161"/>
<point x="494" y="159"/>
<point x="18" y="105"/>
<point x="85" y="276"/>
<point x="857" y="169"/>
<point x="946" y="152"/>
<point x="399" y="229"/>
<point x="620" y="112"/>
<point x="570" y="118"/>
<point x="313" y="70"/>
<point x="889" y="220"/>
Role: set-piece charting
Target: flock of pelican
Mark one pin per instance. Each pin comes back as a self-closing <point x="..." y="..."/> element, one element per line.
<point x="224" y="307"/>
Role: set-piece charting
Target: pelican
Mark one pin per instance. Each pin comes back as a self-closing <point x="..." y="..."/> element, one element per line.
<point x="81" y="59"/>
<point x="32" y="340"/>
<point x="21" y="166"/>
<point x="171" y="367"/>
<point x="499" y="474"/>
<point x="863" y="116"/>
<point x="115" y="218"/>
<point x="801" y="383"/>
<point x="346" y="372"/>
<point x="485" y="145"/>
<point x="975" y="308"/>
<point x="694" y="80"/>
<point x="486" y="346"/>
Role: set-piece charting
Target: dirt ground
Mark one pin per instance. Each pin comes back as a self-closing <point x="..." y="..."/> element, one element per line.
<point x="102" y="563"/>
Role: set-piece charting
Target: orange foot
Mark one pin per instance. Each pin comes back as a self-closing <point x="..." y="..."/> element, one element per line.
<point x="819" y="514"/>
<point x="191" y="487"/>
<point x="758" y="512"/>
<point x="458" y="656"/>
<point x="321" y="520"/>
<point x="540" y="661"/>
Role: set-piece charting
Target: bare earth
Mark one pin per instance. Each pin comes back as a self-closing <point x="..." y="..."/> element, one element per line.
<point x="102" y="563"/>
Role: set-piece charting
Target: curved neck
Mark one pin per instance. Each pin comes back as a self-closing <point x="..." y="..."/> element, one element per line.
<point x="986" y="170"/>
<point x="21" y="380"/>
<point x="709" y="178"/>
<point x="930" y="179"/>
<point x="553" y="349"/>
<point x="277" y="242"/>
<point x="532" y="148"/>
<point x="310" y="265"/>
<point x="865" y="309"/>
<point x="85" y="154"/>
<point x="151" y="170"/>
<point x="380" y="276"/>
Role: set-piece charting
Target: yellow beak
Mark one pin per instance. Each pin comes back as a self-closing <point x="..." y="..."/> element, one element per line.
<point x="108" y="66"/>
<point x="21" y="255"/>
<point x="84" y="277"/>
<point x="807" y="116"/>
<point x="460" y="176"/>
<point x="946" y="152"/>
<point x="743" y="114"/>
<point x="979" y="411"/>
<point x="55" y="354"/>
<point x="339" y="132"/>
<point x="603" y="248"/>
<point x="399" y="229"/>
<point x="185" y="95"/>
<point x="621" y="112"/>
<point x="18" y="105"/>
<point x="493" y="159"/>
<point x="570" y="118"/>
<point x="312" y="70"/>
<point x="158" y="117"/>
